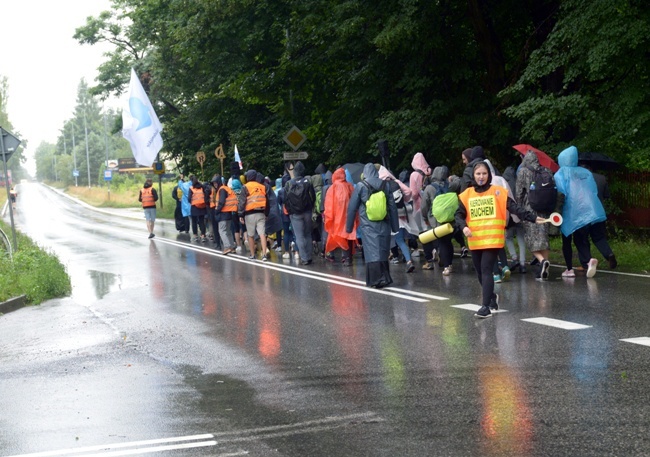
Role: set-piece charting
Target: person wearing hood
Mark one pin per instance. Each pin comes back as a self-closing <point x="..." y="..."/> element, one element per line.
<point x="481" y="215"/>
<point x="336" y="200"/>
<point x="199" y="202"/>
<point x="318" y="235"/>
<point x="288" y="239"/>
<point x="186" y="206"/>
<point x="536" y="235"/>
<point x="273" y="219"/>
<point x="225" y="204"/>
<point x="182" y="222"/>
<point x="440" y="249"/>
<point x="238" y="229"/>
<point x="421" y="170"/>
<point x="299" y="205"/>
<point x="253" y="208"/>
<point x="583" y="214"/>
<point x="376" y="234"/>
<point x="211" y="190"/>
<point x="473" y="156"/>
<point x="148" y="197"/>
<point x="405" y="217"/>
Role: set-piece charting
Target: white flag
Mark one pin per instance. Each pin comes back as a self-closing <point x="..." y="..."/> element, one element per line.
<point x="140" y="125"/>
<point x="237" y="158"/>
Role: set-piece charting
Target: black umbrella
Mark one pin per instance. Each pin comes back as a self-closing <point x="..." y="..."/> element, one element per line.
<point x="597" y="161"/>
<point x="355" y="170"/>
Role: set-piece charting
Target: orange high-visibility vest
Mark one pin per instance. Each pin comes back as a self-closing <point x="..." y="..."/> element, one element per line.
<point x="147" y="197"/>
<point x="486" y="217"/>
<point x="230" y="205"/>
<point x="198" y="197"/>
<point x="213" y="197"/>
<point x="256" y="199"/>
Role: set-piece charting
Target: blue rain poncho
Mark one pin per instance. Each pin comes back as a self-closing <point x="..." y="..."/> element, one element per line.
<point x="581" y="204"/>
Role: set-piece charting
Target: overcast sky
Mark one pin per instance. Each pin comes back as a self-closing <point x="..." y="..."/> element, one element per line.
<point x="44" y="64"/>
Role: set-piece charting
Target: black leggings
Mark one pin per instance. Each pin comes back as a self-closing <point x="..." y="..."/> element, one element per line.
<point x="484" y="261"/>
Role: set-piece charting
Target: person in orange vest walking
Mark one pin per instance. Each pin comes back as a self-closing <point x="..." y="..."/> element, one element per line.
<point x="148" y="197"/>
<point x="253" y="207"/>
<point x="226" y="205"/>
<point x="481" y="215"/>
<point x="198" y="209"/>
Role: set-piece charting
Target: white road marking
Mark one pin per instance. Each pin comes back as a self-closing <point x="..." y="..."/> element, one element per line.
<point x="295" y="271"/>
<point x="642" y="340"/>
<point x="471" y="307"/>
<point x="149" y="450"/>
<point x="566" y="325"/>
<point x="119" y="445"/>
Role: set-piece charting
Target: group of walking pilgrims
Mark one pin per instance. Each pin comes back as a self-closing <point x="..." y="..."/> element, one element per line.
<point x="335" y="214"/>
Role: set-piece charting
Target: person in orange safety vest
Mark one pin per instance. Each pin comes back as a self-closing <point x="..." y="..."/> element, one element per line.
<point x="481" y="215"/>
<point x="253" y="208"/>
<point x="148" y="197"/>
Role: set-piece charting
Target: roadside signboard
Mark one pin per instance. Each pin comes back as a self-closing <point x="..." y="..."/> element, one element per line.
<point x="295" y="138"/>
<point x="301" y="155"/>
<point x="108" y="175"/>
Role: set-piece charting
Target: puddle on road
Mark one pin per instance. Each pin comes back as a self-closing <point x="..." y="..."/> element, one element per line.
<point x="101" y="283"/>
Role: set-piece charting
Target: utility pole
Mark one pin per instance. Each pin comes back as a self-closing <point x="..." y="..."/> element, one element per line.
<point x="74" y="160"/>
<point x="87" y="154"/>
<point x="106" y="144"/>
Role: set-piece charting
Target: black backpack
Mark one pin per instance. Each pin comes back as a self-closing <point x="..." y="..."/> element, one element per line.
<point x="542" y="194"/>
<point x="297" y="199"/>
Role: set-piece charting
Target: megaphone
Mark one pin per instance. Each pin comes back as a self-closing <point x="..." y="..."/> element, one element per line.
<point x="436" y="233"/>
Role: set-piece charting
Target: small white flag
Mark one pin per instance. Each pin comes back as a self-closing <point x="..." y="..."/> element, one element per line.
<point x="237" y="158"/>
<point x="140" y="125"/>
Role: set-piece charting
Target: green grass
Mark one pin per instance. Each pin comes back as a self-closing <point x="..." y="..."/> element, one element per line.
<point x="633" y="255"/>
<point x="33" y="272"/>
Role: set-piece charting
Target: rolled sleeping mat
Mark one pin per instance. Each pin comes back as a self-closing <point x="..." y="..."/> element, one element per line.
<point x="435" y="233"/>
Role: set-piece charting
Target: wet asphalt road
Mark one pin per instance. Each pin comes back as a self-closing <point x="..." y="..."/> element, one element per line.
<point x="168" y="348"/>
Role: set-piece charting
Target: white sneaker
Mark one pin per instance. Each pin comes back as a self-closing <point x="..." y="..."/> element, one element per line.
<point x="591" y="268"/>
<point x="238" y="249"/>
<point x="436" y="257"/>
<point x="447" y="271"/>
<point x="568" y="274"/>
<point x="286" y="255"/>
<point x="415" y="253"/>
<point x="296" y="255"/>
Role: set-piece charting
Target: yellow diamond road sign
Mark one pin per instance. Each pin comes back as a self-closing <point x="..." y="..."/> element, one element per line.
<point x="295" y="138"/>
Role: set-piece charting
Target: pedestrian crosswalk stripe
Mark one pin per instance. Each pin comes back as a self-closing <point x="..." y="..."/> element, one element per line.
<point x="566" y="325"/>
<point x="642" y="340"/>
<point x="472" y="307"/>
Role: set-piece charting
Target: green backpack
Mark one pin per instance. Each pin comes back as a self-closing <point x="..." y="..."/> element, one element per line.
<point x="444" y="207"/>
<point x="376" y="204"/>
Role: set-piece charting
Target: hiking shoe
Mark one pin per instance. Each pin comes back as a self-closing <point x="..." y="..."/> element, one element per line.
<point x="151" y="235"/>
<point x="447" y="271"/>
<point x="568" y="274"/>
<point x="544" y="271"/>
<point x="463" y="252"/>
<point x="394" y="260"/>
<point x="436" y="257"/>
<point x="204" y="239"/>
<point x="591" y="268"/>
<point x="497" y="278"/>
<point x="494" y="302"/>
<point x="410" y="267"/>
<point x="534" y="262"/>
<point x="286" y="255"/>
<point x="195" y="238"/>
<point x="428" y="266"/>
<point x="305" y="262"/>
<point x="611" y="259"/>
<point x="265" y="258"/>
<point x="514" y="264"/>
<point x="483" y="312"/>
<point x="251" y="257"/>
<point x="505" y="273"/>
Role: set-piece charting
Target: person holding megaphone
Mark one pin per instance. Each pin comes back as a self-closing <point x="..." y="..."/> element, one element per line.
<point x="481" y="215"/>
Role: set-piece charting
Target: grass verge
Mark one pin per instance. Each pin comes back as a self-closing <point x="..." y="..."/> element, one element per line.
<point x="33" y="272"/>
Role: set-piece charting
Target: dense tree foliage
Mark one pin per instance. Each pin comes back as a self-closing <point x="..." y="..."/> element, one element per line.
<point x="434" y="77"/>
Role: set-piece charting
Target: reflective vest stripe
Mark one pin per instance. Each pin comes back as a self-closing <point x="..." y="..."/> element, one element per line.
<point x="198" y="198"/>
<point x="230" y="205"/>
<point x="486" y="217"/>
<point x="256" y="198"/>
<point x="147" y="197"/>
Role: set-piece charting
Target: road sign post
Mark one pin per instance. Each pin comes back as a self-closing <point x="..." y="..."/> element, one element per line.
<point x="8" y="145"/>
